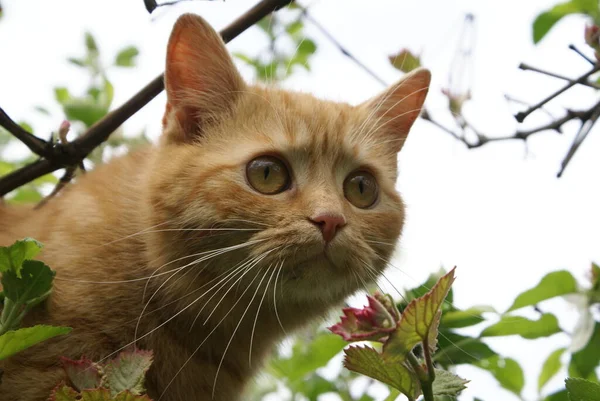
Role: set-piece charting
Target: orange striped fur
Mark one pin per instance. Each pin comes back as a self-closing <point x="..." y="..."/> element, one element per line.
<point x="151" y="211"/>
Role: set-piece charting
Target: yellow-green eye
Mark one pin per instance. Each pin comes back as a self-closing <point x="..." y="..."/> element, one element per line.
<point x="268" y="175"/>
<point x="361" y="189"/>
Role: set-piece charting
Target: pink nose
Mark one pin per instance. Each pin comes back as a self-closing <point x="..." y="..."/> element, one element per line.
<point x="329" y="224"/>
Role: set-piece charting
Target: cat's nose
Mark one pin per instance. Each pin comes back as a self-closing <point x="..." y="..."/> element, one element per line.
<point x="329" y="224"/>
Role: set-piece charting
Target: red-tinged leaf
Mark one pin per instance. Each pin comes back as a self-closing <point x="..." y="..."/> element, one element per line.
<point x="63" y="393"/>
<point x="97" y="394"/>
<point x="127" y="371"/>
<point x="372" y="322"/>
<point x="129" y="396"/>
<point x="419" y="321"/>
<point x="83" y="374"/>
<point x="367" y="361"/>
<point x="405" y="60"/>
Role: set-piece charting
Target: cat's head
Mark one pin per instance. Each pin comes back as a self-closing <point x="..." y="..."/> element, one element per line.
<point x="312" y="182"/>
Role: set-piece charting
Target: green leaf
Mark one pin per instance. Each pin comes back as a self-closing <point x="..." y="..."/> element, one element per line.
<point x="447" y="383"/>
<point x="552" y="285"/>
<point x="32" y="287"/>
<point x="312" y="387"/>
<point x="589" y="7"/>
<point x="26" y="194"/>
<point x="595" y="277"/>
<point x="545" y="326"/>
<point x="308" y="357"/>
<point x="63" y="393"/>
<point x="464" y="318"/>
<point x="42" y="110"/>
<point x="127" y="371"/>
<point x="455" y="349"/>
<point x="419" y="321"/>
<point x="76" y="61"/>
<point x="405" y="61"/>
<point x="90" y="43"/>
<point x="62" y="95"/>
<point x="85" y="110"/>
<point x="295" y="28"/>
<point x="558" y="396"/>
<point x="424" y="288"/>
<point x="126" y="57"/>
<point x="15" y="341"/>
<point x="582" y="390"/>
<point x="550" y="368"/>
<point x="367" y="361"/>
<point x="12" y="257"/>
<point x="546" y="20"/>
<point x="306" y="48"/>
<point x="507" y="371"/>
<point x="585" y="361"/>
<point x="393" y="395"/>
<point x="26" y="126"/>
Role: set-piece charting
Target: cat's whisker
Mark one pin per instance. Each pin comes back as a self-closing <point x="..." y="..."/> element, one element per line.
<point x="134" y="234"/>
<point x="380" y="242"/>
<point x="209" y="334"/>
<point x="242" y="270"/>
<point x="257" y="313"/>
<point x="226" y="249"/>
<point x="289" y="65"/>
<point x="372" y="274"/>
<point x="231" y="287"/>
<point x="209" y="256"/>
<point x="235" y="331"/>
<point x="275" y="297"/>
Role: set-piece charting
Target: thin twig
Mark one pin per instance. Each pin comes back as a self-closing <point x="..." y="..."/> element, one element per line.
<point x="520" y="117"/>
<point x="340" y="47"/>
<point x="586" y="58"/>
<point x="527" y="67"/>
<point x="35" y="144"/>
<point x="64" y="155"/>
<point x="584" y="130"/>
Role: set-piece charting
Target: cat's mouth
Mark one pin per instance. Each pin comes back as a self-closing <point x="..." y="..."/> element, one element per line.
<point x="320" y="258"/>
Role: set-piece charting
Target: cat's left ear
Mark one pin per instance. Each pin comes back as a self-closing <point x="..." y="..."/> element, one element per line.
<point x="201" y="80"/>
<point x="398" y="107"/>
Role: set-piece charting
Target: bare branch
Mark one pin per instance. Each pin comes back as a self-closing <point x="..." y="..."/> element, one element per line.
<point x="586" y="58"/>
<point x="65" y="155"/>
<point x="35" y="144"/>
<point x="522" y="115"/>
<point x="527" y="67"/>
<point x="584" y="130"/>
<point x="340" y="47"/>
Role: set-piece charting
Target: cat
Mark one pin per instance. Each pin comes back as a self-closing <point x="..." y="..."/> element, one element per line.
<point x="256" y="213"/>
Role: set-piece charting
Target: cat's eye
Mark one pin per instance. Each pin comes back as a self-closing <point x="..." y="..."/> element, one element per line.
<point x="361" y="189"/>
<point x="268" y="175"/>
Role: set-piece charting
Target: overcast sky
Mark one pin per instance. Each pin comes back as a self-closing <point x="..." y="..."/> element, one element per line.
<point x="498" y="213"/>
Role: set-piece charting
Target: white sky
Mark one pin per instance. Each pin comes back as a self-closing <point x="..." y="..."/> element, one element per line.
<point x="498" y="212"/>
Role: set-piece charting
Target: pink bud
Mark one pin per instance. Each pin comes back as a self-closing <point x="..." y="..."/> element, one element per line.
<point x="64" y="128"/>
<point x="372" y="322"/>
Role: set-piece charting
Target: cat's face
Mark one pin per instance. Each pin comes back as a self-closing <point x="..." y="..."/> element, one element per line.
<point x="312" y="182"/>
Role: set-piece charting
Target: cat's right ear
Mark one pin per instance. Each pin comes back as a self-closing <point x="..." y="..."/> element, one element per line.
<point x="201" y="80"/>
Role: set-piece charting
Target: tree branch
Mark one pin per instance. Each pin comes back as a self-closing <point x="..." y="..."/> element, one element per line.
<point x="523" y="114"/>
<point x="527" y="67"/>
<point x="64" y="155"/>
<point x="35" y="144"/>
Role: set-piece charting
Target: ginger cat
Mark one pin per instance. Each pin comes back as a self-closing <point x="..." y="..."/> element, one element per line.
<point x="259" y="210"/>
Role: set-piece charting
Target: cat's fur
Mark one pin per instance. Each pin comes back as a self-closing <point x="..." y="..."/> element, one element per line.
<point x="194" y="179"/>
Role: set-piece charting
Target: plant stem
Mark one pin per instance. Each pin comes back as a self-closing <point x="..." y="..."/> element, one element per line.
<point x="7" y="320"/>
<point x="425" y="379"/>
